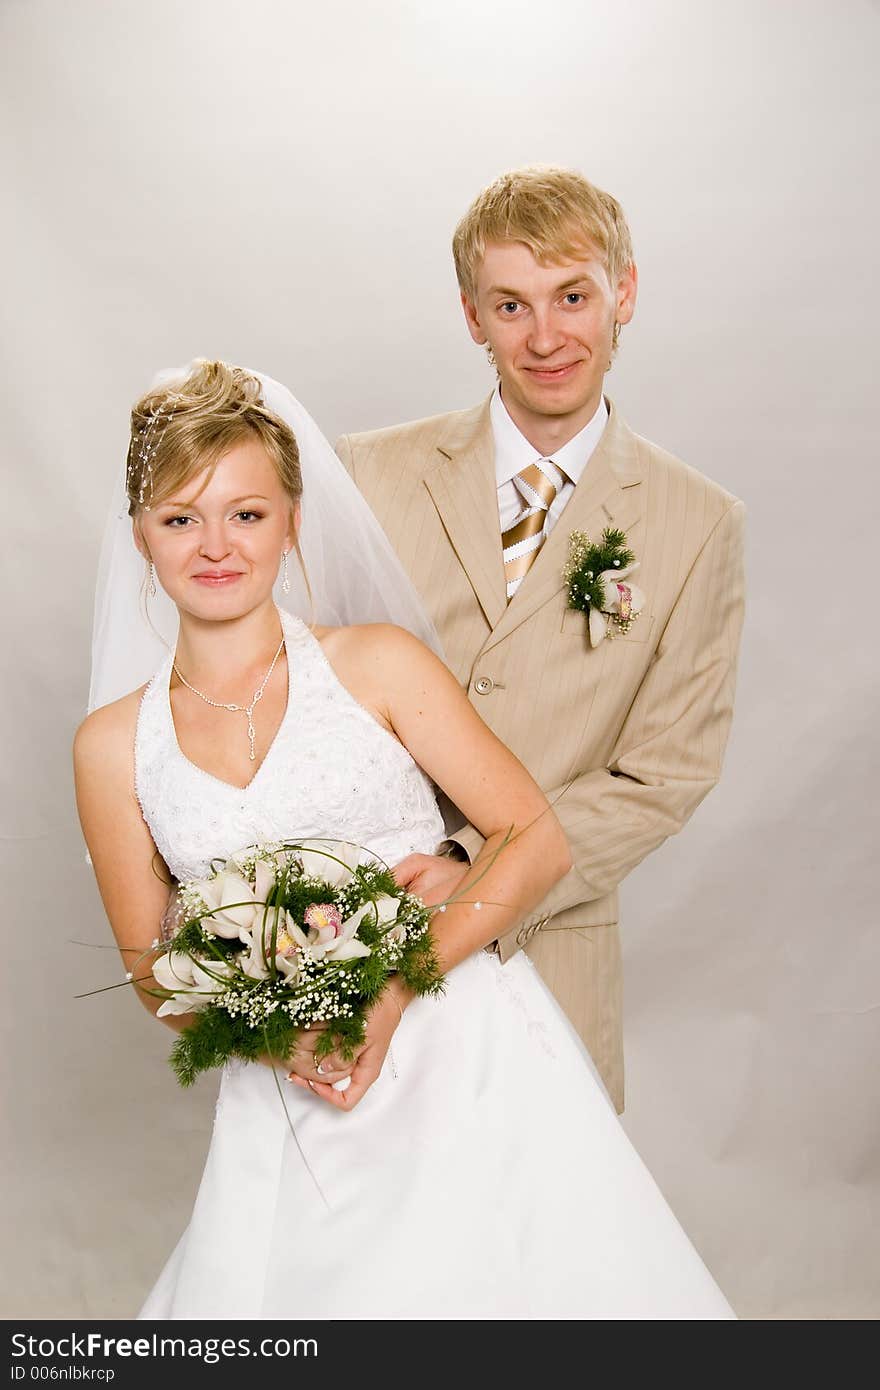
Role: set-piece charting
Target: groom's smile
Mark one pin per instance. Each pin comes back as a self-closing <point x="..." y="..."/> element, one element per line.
<point x="553" y="374"/>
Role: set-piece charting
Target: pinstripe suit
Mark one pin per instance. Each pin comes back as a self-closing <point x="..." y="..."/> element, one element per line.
<point x="633" y="730"/>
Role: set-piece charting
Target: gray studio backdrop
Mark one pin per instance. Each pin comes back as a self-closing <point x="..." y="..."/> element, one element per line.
<point x="277" y="184"/>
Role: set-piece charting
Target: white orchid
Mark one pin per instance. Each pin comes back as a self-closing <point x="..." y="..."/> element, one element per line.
<point x="334" y="861"/>
<point x="193" y="983"/>
<point x="289" y="939"/>
<point x="384" y="912"/>
<point x="231" y="901"/>
<point x="329" y="937"/>
<point x="623" y="602"/>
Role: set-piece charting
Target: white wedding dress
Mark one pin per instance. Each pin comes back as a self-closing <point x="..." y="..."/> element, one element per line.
<point x="485" y="1174"/>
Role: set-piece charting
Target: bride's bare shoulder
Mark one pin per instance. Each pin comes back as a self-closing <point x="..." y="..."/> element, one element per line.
<point x="107" y="734"/>
<point x="369" y="644"/>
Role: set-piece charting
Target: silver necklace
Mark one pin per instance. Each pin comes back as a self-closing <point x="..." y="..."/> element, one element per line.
<point x="237" y="709"/>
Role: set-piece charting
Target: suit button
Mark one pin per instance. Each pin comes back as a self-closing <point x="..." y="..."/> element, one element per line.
<point x="483" y="685"/>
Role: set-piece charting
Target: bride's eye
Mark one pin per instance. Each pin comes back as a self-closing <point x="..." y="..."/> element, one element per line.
<point x="178" y="523"/>
<point x="249" y="516"/>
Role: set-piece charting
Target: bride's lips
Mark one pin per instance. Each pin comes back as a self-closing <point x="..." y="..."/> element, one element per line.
<point x="216" y="579"/>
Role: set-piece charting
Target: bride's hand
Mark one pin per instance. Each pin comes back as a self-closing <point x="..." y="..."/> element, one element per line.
<point x="304" y="1067"/>
<point x="383" y="1019"/>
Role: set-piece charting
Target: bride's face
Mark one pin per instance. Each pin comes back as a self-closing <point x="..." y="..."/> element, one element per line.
<point x="217" y="543"/>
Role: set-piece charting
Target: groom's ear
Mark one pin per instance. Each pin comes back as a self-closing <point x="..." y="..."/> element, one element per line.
<point x="472" y="319"/>
<point x="627" y="289"/>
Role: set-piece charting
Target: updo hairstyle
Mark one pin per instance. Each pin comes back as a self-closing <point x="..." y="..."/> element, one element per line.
<point x="180" y="429"/>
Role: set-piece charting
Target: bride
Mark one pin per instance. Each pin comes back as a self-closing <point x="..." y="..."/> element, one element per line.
<point x="467" y="1163"/>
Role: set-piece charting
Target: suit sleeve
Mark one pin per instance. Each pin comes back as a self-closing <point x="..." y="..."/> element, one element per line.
<point x="669" y="751"/>
<point x="345" y="452"/>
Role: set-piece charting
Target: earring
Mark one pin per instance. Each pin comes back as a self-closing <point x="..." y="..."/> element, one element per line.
<point x="151" y="580"/>
<point x="285" y="578"/>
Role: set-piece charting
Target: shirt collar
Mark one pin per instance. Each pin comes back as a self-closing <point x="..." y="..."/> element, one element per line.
<point x="513" y="452"/>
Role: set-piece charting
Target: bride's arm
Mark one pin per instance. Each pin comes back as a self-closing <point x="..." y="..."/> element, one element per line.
<point x="133" y="880"/>
<point x="420" y="700"/>
<point x="425" y="706"/>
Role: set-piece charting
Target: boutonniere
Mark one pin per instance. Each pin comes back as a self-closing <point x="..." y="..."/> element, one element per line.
<point x="595" y="576"/>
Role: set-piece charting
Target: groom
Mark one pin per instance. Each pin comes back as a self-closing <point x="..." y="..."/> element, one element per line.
<point x="623" y="708"/>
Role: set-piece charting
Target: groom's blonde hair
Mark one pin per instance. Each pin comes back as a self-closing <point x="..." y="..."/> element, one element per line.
<point x="555" y="212"/>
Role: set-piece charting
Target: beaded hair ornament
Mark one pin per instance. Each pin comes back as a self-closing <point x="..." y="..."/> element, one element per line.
<point x="141" y="452"/>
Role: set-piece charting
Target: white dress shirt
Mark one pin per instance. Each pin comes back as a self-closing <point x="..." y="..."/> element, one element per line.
<point x="513" y="453"/>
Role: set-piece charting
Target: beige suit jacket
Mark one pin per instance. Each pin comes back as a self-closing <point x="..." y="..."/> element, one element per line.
<point x="626" y="738"/>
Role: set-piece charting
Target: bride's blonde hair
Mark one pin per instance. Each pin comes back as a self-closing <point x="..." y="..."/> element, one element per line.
<point x="181" y="429"/>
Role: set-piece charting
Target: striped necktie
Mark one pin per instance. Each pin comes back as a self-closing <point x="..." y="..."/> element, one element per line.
<point x="524" y="538"/>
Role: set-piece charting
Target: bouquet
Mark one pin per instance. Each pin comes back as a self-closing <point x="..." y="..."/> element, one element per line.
<point x="281" y="937"/>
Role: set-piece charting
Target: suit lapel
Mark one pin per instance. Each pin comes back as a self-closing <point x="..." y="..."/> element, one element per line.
<point x="462" y="487"/>
<point x="608" y="494"/>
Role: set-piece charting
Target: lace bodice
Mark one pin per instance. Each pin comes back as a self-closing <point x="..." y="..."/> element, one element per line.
<point x="332" y="772"/>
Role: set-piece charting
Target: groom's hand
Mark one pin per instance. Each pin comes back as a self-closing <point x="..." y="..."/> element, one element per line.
<point x="432" y="877"/>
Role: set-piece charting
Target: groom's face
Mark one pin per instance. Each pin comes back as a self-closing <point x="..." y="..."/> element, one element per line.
<point x="550" y="328"/>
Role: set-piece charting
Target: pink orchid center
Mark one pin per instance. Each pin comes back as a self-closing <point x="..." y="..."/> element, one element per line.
<point x="325" y="919"/>
<point x="624" y="601"/>
<point x="285" y="945"/>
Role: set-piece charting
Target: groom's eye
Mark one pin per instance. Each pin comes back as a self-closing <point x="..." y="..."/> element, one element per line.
<point x="509" y="307"/>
